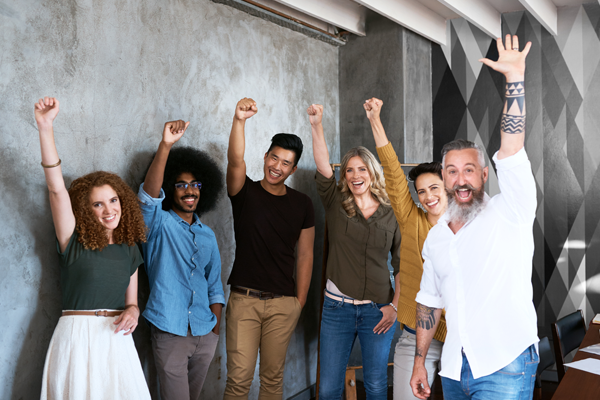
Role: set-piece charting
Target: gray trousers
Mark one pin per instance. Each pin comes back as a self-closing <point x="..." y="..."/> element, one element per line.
<point x="182" y="362"/>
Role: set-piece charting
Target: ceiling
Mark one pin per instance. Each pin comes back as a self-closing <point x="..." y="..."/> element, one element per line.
<point x="425" y="17"/>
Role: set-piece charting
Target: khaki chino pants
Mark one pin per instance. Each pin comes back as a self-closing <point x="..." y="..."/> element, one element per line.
<point x="254" y="324"/>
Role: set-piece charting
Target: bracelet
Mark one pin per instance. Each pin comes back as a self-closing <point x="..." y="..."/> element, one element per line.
<point x="51" y="166"/>
<point x="394" y="307"/>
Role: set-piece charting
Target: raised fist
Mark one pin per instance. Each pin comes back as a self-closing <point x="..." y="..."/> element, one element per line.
<point x="46" y="110"/>
<point x="315" y="114"/>
<point x="245" y="109"/>
<point x="373" y="107"/>
<point x="174" y="130"/>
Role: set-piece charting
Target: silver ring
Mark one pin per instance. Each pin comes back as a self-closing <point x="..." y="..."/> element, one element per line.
<point x="515" y="48"/>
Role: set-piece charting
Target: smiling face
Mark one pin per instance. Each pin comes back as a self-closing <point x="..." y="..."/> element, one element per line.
<point x="279" y="165"/>
<point x="430" y="189"/>
<point x="357" y="176"/>
<point x="464" y="177"/>
<point x="185" y="201"/>
<point x="106" y="206"/>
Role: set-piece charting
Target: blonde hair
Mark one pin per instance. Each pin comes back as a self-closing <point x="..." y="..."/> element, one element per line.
<point x="377" y="186"/>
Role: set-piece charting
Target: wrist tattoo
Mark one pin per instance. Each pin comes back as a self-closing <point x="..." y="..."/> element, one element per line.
<point x="515" y="93"/>
<point x="513" y="124"/>
<point x="425" y="317"/>
<point x="418" y="353"/>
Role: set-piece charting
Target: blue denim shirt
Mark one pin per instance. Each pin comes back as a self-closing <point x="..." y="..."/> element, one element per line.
<point x="184" y="270"/>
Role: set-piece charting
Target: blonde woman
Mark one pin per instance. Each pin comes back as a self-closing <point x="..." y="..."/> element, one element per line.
<point x="359" y="299"/>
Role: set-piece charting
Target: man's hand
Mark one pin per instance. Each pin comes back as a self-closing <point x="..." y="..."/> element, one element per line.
<point x="373" y="108"/>
<point x="511" y="61"/>
<point x="315" y="114"/>
<point x="173" y="131"/>
<point x="245" y="109"/>
<point x="46" y="110"/>
<point x="386" y="322"/>
<point x="128" y="320"/>
<point x="418" y="382"/>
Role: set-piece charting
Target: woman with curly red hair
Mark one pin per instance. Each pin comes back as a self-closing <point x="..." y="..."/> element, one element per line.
<point x="97" y="223"/>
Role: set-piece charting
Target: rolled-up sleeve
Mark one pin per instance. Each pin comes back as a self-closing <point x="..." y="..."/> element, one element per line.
<point x="429" y="295"/>
<point x="151" y="208"/>
<point x="213" y="277"/>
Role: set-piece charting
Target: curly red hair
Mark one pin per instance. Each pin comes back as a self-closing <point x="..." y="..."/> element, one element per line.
<point x="92" y="234"/>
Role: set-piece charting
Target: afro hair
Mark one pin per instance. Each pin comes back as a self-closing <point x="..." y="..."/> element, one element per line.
<point x="202" y="167"/>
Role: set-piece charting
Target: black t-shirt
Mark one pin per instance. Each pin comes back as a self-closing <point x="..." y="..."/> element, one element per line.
<point x="267" y="228"/>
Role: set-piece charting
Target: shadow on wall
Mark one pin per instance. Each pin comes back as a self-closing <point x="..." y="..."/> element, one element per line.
<point x="38" y="233"/>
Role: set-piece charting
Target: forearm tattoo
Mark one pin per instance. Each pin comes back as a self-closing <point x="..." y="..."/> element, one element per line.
<point x="514" y="123"/>
<point x="425" y="317"/>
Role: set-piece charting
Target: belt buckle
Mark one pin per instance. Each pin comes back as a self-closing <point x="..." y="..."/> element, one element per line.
<point x="260" y="295"/>
<point x="98" y="313"/>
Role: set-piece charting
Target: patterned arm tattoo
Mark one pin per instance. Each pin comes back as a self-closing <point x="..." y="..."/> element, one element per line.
<point x="425" y="317"/>
<point x="514" y="123"/>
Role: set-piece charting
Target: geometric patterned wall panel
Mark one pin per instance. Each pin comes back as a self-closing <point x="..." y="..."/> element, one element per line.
<point x="562" y="141"/>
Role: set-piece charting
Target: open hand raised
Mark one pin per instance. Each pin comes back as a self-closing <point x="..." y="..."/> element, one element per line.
<point x="315" y="114"/>
<point x="511" y="61"/>
<point x="245" y="109"/>
<point x="46" y="110"/>
<point x="373" y="107"/>
<point x="174" y="130"/>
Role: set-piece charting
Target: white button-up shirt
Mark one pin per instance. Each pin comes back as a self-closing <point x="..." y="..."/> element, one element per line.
<point x="482" y="276"/>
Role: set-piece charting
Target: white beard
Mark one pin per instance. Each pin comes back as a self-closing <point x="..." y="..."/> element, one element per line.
<point x="461" y="214"/>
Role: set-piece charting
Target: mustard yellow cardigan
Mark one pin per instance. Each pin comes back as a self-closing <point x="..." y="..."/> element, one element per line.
<point x="414" y="228"/>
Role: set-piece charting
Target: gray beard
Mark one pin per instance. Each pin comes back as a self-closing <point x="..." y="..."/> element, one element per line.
<point x="461" y="214"/>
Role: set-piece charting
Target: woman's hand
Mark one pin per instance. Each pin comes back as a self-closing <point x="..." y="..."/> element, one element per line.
<point x="388" y="319"/>
<point x="373" y="108"/>
<point x="128" y="320"/>
<point x="46" y="110"/>
<point x="315" y="114"/>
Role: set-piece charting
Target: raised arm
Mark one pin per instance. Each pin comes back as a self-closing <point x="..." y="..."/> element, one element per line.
<point x="172" y="132"/>
<point x="320" y="152"/>
<point x="46" y="110"/>
<point x="511" y="63"/>
<point x="236" y="166"/>
<point x="373" y="109"/>
<point x="428" y="319"/>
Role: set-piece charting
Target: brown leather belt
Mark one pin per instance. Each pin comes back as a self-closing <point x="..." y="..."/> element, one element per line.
<point x="255" y="293"/>
<point x="99" y="313"/>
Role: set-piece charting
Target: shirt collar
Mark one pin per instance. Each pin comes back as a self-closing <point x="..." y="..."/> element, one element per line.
<point x="196" y="220"/>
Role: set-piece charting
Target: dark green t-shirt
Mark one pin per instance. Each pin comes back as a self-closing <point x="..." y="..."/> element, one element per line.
<point x="93" y="279"/>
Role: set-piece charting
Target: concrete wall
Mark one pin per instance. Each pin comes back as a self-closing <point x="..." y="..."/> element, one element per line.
<point x="120" y="71"/>
<point x="394" y="65"/>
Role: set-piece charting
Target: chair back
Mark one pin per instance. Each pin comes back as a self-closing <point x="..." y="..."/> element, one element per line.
<point x="568" y="333"/>
<point x="546" y="360"/>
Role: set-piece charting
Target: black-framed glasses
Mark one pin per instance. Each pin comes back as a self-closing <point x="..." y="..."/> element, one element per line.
<point x="184" y="186"/>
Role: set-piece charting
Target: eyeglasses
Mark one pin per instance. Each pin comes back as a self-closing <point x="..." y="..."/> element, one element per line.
<point x="184" y="186"/>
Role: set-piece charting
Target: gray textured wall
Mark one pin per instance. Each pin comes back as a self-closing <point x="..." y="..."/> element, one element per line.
<point x="120" y="71"/>
<point x="394" y="65"/>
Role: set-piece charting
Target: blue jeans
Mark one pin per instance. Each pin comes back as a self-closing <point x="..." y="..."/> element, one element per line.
<point x="340" y="324"/>
<point x="513" y="382"/>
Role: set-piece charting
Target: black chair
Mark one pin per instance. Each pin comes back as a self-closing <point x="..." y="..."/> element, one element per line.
<point x="546" y="360"/>
<point x="568" y="333"/>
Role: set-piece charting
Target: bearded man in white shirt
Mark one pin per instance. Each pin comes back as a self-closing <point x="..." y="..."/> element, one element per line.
<point x="478" y="262"/>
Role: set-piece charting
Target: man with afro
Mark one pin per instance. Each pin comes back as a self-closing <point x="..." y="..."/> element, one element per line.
<point x="183" y="263"/>
<point x="274" y="234"/>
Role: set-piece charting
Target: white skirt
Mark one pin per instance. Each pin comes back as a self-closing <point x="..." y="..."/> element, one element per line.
<point x="86" y="360"/>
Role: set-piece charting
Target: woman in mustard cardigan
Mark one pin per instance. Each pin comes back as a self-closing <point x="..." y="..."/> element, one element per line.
<point x="414" y="226"/>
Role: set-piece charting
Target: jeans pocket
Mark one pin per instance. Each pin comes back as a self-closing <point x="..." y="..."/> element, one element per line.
<point x="517" y="366"/>
<point x="331" y="304"/>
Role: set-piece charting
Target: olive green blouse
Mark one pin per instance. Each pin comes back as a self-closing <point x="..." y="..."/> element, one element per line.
<point x="359" y="248"/>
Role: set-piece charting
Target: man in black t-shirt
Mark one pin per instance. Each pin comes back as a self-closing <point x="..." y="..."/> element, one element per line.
<point x="270" y="221"/>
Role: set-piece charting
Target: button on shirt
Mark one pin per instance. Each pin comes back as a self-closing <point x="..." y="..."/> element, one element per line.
<point x="184" y="270"/>
<point x="482" y="276"/>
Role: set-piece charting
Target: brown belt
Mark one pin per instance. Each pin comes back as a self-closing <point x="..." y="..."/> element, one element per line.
<point x="255" y="293"/>
<point x="99" y="313"/>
